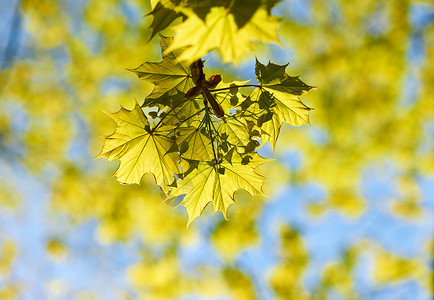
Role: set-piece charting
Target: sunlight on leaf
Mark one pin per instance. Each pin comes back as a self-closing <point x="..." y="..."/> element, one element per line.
<point x="217" y="184"/>
<point x="220" y="31"/>
<point x="139" y="149"/>
<point x="167" y="75"/>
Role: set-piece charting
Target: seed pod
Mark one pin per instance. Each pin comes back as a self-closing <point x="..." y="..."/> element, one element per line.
<point x="197" y="71"/>
<point x="218" y="110"/>
<point x="212" y="82"/>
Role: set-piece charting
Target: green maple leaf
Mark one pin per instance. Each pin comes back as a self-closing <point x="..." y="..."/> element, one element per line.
<point x="277" y="101"/>
<point x="274" y="78"/>
<point x="168" y="75"/>
<point x="172" y="98"/>
<point x="269" y="4"/>
<point x="163" y="14"/>
<point x="220" y="31"/>
<point x="139" y="149"/>
<point x="193" y="144"/>
<point x="185" y="112"/>
<point x="218" y="183"/>
<point x="231" y="98"/>
<point x="242" y="10"/>
<point x="175" y="109"/>
<point x="235" y="130"/>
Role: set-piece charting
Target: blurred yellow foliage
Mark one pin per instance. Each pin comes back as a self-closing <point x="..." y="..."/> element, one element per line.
<point x="84" y="197"/>
<point x="9" y="293"/>
<point x="230" y="242"/>
<point x="239" y="284"/>
<point x="9" y="197"/>
<point x="338" y="275"/>
<point x="56" y="249"/>
<point x="286" y="278"/>
<point x="46" y="22"/>
<point x="158" y="278"/>
<point x="391" y="268"/>
<point x="8" y="252"/>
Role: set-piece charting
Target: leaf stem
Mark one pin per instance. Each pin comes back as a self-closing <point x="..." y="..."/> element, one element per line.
<point x="215" y="130"/>
<point x="185" y="120"/>
<point x="234" y="86"/>
<point x="208" y="121"/>
<point x="162" y="119"/>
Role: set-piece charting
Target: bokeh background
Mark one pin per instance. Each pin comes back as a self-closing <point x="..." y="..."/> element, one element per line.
<point x="350" y="213"/>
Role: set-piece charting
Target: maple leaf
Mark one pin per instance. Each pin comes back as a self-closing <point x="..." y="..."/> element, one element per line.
<point x="235" y="130"/>
<point x="220" y="31"/>
<point x="172" y="98"/>
<point x="168" y="75"/>
<point x="193" y="144"/>
<point x="229" y="98"/>
<point x="139" y="149"/>
<point x="175" y="109"/>
<point x="185" y="114"/>
<point x="218" y="183"/>
<point x="277" y="101"/>
<point x="205" y="153"/>
<point x="274" y="78"/>
<point x="242" y="10"/>
<point x="163" y="14"/>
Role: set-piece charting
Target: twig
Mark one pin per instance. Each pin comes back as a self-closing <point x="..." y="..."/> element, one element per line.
<point x="161" y="120"/>
<point x="208" y="121"/>
<point x="235" y="86"/>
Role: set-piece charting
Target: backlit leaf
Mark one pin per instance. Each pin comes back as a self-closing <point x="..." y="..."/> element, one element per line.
<point x="277" y="101"/>
<point x="167" y="75"/>
<point x="139" y="150"/>
<point x="220" y="31"/>
<point x="163" y="14"/>
<point x="194" y="144"/>
<point x="236" y="131"/>
<point x="229" y="98"/>
<point x="274" y="78"/>
<point x="218" y="183"/>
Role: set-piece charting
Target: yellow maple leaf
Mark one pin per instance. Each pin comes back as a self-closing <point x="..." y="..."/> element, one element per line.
<point x="220" y="31"/>
<point x="139" y="149"/>
<point x="218" y="183"/>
